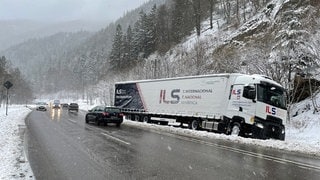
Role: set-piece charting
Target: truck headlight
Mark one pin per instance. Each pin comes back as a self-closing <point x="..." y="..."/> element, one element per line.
<point x="252" y="119"/>
<point x="283" y="131"/>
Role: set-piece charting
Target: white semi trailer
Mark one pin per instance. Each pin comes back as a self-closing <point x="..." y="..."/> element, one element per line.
<point x="246" y="105"/>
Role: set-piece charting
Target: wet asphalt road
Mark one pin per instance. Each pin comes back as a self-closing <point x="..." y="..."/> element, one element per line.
<point x="62" y="146"/>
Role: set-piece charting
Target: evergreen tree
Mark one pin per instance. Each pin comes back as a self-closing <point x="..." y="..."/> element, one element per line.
<point x="3" y="63"/>
<point x="163" y="30"/>
<point x="151" y="31"/>
<point x="140" y="39"/>
<point x="20" y="91"/>
<point x="128" y="48"/>
<point x="181" y="18"/>
<point x="116" y="54"/>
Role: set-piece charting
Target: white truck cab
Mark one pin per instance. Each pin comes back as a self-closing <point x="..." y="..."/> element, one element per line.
<point x="260" y="105"/>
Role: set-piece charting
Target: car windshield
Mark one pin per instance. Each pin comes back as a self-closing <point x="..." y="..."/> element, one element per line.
<point x="272" y="95"/>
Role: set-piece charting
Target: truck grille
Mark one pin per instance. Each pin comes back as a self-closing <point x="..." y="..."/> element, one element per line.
<point x="272" y="119"/>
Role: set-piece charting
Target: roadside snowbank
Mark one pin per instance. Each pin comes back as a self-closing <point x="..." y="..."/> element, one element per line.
<point x="13" y="162"/>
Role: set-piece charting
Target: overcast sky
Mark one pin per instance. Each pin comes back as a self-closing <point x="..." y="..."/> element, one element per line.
<point x="65" y="10"/>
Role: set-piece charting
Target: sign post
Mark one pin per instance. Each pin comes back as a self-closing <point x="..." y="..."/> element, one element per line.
<point x="7" y="85"/>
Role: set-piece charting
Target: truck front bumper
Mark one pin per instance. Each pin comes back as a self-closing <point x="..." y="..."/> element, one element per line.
<point x="264" y="129"/>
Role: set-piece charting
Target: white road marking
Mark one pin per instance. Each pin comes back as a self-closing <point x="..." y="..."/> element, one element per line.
<point x="117" y="139"/>
<point x="72" y="121"/>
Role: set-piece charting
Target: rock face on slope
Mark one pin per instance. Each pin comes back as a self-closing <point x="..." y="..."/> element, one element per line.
<point x="279" y="40"/>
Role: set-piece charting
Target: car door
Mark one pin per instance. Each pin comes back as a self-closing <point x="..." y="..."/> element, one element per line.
<point x="98" y="111"/>
<point x="92" y="114"/>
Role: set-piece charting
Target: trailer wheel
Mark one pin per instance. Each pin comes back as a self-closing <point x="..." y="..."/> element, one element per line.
<point x="235" y="130"/>
<point x="136" y="118"/>
<point x="146" y="119"/>
<point x="194" y="124"/>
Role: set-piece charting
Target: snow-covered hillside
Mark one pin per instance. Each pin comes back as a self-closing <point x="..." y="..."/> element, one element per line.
<point x="278" y="35"/>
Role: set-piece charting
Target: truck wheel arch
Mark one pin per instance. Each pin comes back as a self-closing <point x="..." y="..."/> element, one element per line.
<point x="236" y="121"/>
<point x="235" y="129"/>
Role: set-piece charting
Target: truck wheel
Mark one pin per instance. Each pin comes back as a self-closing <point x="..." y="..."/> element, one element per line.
<point x="146" y="119"/>
<point x="194" y="124"/>
<point x="235" y="130"/>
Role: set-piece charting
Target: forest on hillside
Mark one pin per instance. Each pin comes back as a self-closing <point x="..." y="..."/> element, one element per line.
<point x="20" y="91"/>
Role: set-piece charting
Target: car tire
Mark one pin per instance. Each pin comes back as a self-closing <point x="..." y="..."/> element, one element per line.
<point x="98" y="121"/>
<point x="87" y="119"/>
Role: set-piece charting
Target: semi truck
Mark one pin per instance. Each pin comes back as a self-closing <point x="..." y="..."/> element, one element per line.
<point x="237" y="104"/>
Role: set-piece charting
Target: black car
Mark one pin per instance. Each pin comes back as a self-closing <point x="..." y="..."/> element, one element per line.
<point x="64" y="105"/>
<point x="41" y="106"/>
<point x="73" y="107"/>
<point x="105" y="114"/>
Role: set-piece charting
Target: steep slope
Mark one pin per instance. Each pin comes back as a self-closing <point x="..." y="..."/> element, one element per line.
<point x="283" y="32"/>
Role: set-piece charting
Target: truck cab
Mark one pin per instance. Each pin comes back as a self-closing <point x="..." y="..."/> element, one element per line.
<point x="258" y="105"/>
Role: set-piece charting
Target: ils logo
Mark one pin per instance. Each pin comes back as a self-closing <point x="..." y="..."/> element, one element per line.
<point x="120" y="91"/>
<point x="175" y="98"/>
<point x="271" y="110"/>
<point x="237" y="92"/>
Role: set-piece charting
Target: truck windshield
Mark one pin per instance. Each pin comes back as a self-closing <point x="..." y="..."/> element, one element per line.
<point x="272" y="95"/>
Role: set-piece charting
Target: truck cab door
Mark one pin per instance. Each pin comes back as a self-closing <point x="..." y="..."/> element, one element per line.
<point x="248" y="103"/>
<point x="234" y="100"/>
<point x="242" y="102"/>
